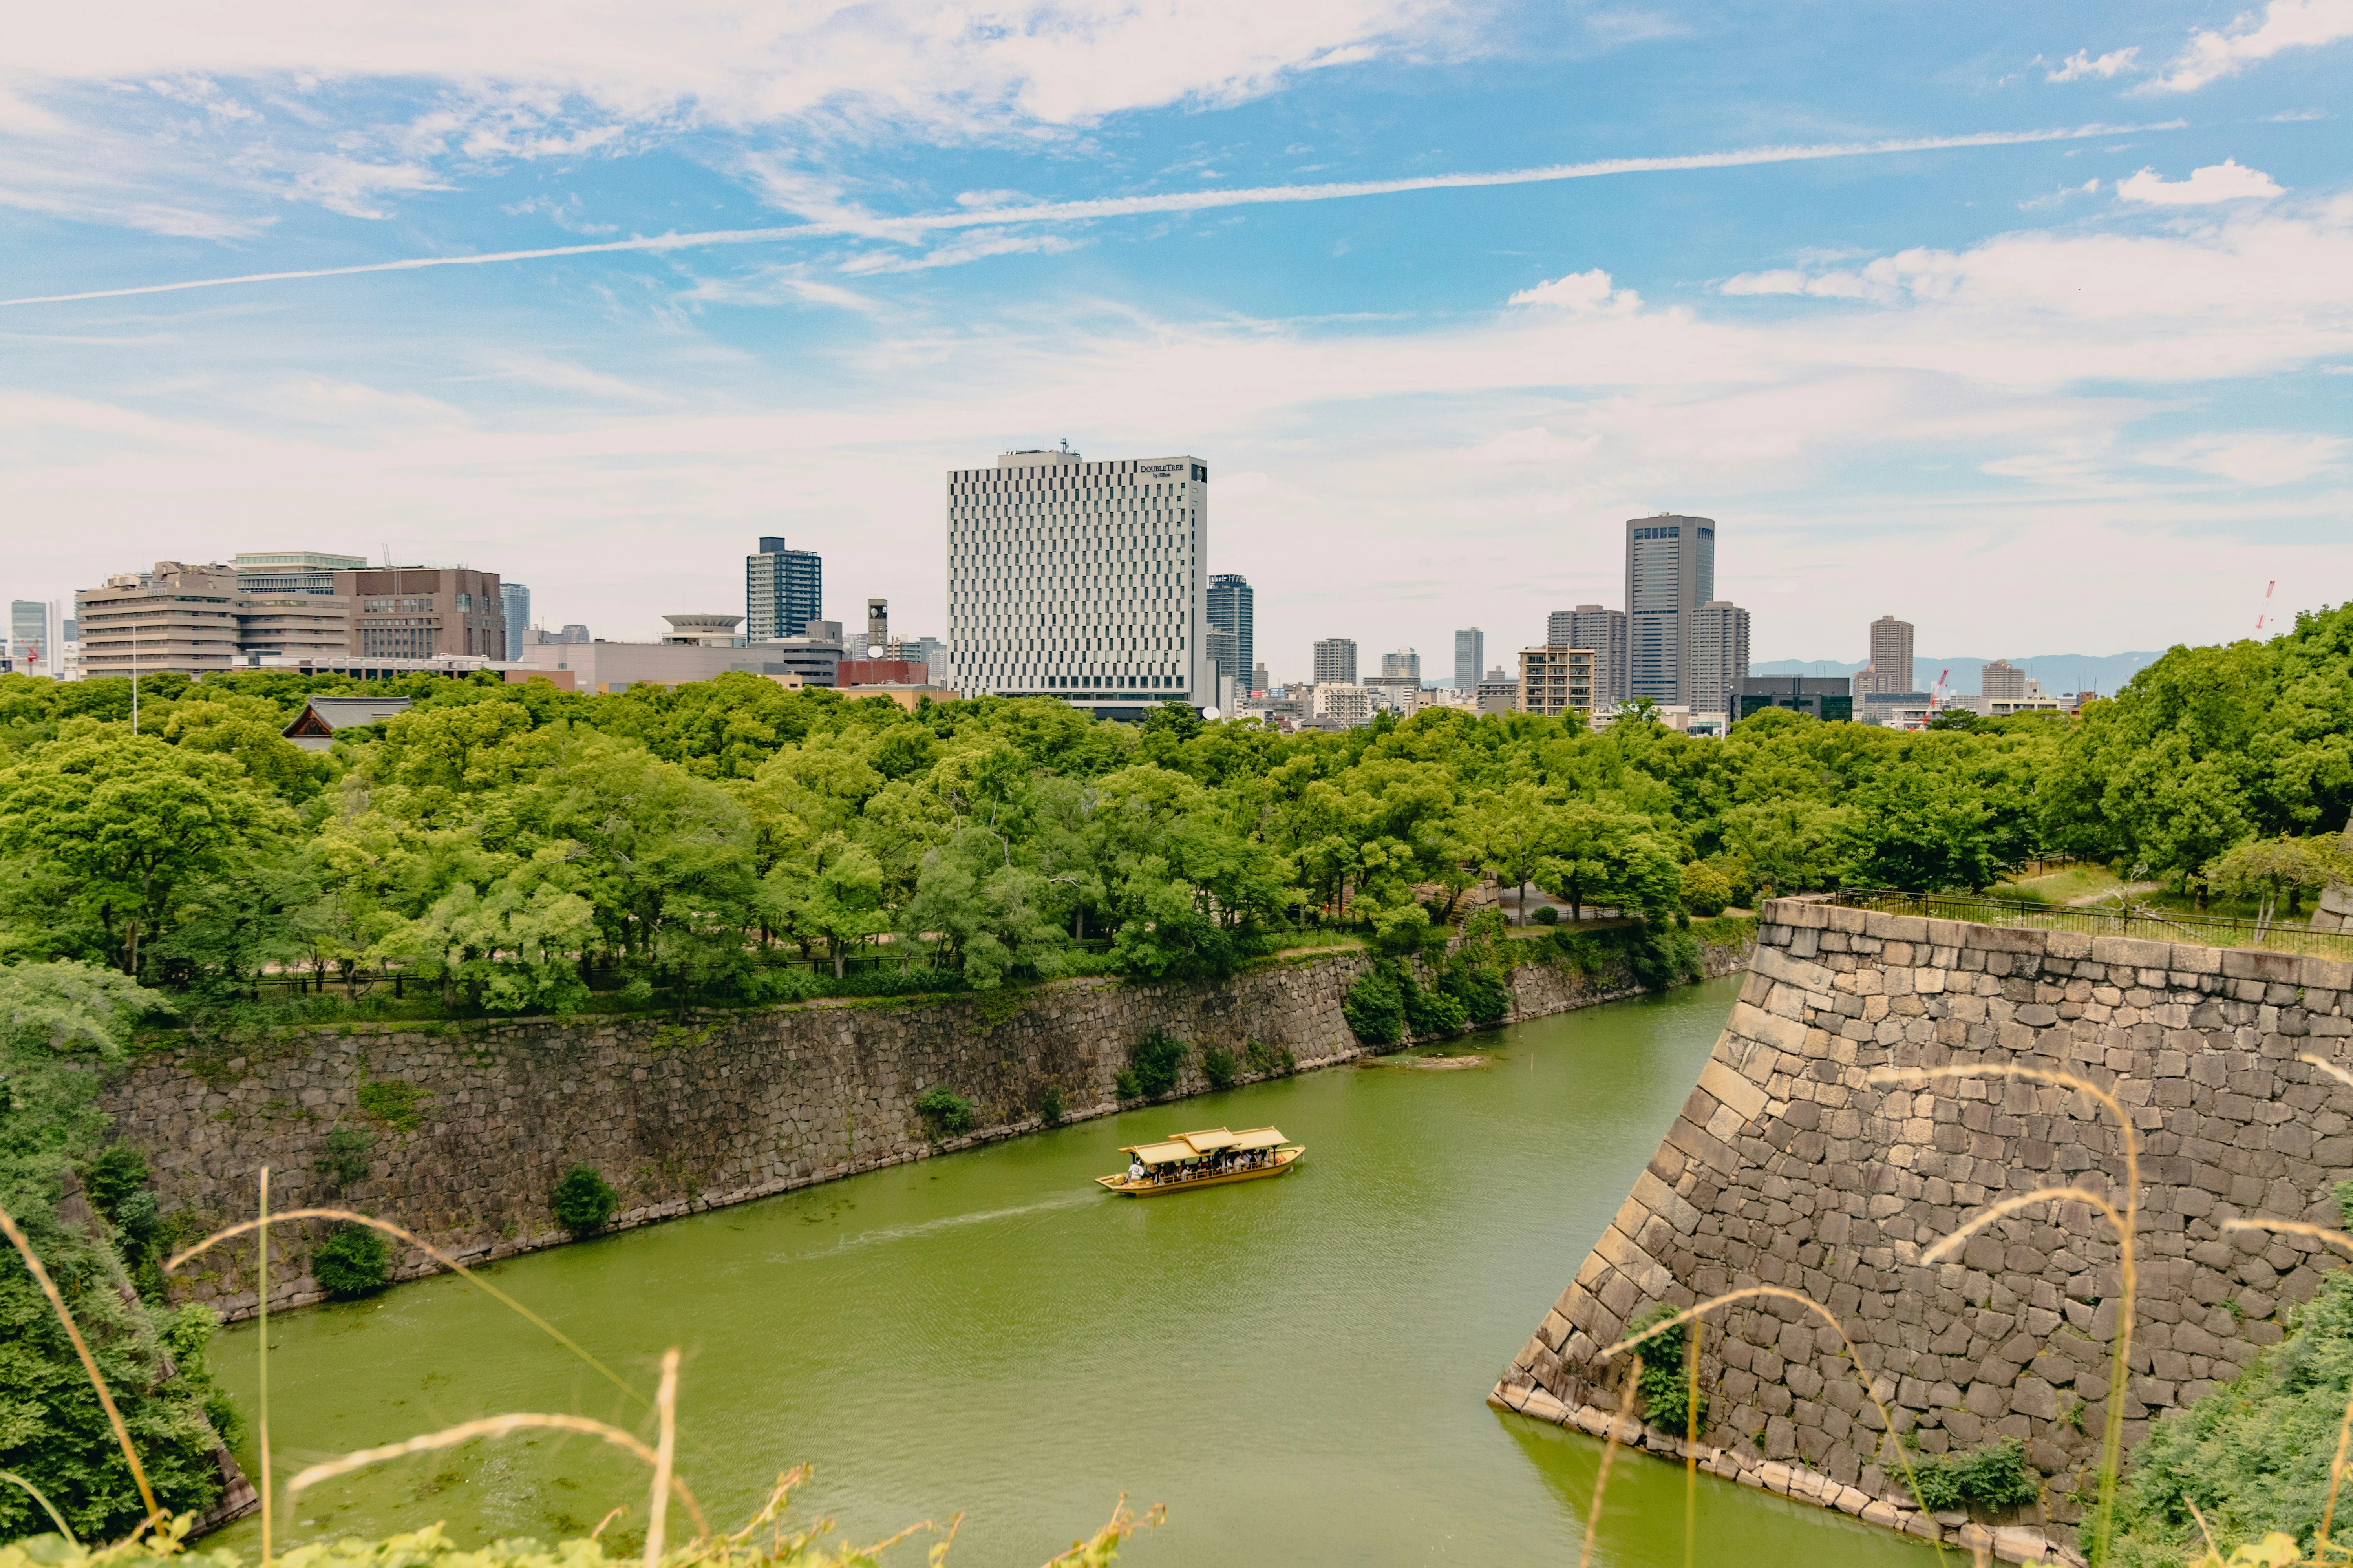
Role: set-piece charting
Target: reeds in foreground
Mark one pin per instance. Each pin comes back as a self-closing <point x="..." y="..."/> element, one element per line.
<point x="162" y="1534"/>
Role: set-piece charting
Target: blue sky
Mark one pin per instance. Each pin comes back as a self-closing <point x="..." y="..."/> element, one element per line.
<point x="2065" y="370"/>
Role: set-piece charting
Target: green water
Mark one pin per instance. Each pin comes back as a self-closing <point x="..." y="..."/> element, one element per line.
<point x="1297" y="1366"/>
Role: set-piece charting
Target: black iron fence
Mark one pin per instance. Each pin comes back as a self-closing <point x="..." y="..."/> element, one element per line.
<point x="2124" y="919"/>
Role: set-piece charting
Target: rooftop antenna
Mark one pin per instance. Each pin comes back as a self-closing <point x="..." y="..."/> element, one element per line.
<point x="1066" y="443"/>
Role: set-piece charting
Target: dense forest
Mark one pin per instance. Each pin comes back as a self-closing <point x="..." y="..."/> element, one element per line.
<point x="510" y="847"/>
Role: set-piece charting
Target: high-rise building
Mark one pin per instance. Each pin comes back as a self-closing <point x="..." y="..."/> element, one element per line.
<point x="1403" y="665"/>
<point x="1670" y="573"/>
<point x="1890" y="669"/>
<point x="424" y="612"/>
<point x="1081" y="580"/>
<point x="1232" y="609"/>
<point x="877" y="626"/>
<point x="514" y="599"/>
<point x="1603" y="631"/>
<point x="291" y="571"/>
<point x="1470" y="658"/>
<point x="1719" y="657"/>
<point x="1258" y="682"/>
<point x="1336" y="661"/>
<point x="2001" y="679"/>
<point x="28" y="633"/>
<point x="1555" y="680"/>
<point x="783" y="591"/>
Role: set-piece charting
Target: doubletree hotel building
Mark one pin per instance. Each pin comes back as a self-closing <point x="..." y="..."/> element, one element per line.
<point x="1082" y="581"/>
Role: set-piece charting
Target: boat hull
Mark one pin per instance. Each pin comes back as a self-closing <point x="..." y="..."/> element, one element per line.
<point x="1284" y="1160"/>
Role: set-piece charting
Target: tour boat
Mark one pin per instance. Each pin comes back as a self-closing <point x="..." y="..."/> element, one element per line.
<point x="1206" y="1159"/>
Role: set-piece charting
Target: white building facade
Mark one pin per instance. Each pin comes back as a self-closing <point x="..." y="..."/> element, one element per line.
<point x="1082" y="581"/>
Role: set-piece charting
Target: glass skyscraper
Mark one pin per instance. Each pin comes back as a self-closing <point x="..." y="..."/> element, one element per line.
<point x="1230" y="611"/>
<point x="1669" y="574"/>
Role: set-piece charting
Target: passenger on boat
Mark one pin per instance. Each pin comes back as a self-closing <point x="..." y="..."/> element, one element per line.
<point x="1135" y="1170"/>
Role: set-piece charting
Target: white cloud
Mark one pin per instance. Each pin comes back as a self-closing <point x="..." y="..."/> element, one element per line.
<point x="1582" y="292"/>
<point x="2282" y="25"/>
<point x="2255" y="458"/>
<point x="2228" y="180"/>
<point x="2082" y="64"/>
<point x="978" y="246"/>
<point x="349" y="186"/>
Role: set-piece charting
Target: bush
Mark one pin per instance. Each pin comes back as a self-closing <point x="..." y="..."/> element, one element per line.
<point x="1219" y="1067"/>
<point x="345" y="1160"/>
<point x="1272" y="1060"/>
<point x="1049" y="1106"/>
<point x="1374" y="1006"/>
<point x="1431" y="1013"/>
<point x="1994" y="1476"/>
<point x="1706" y="890"/>
<point x="1547" y="916"/>
<point x="1665" y="1386"/>
<point x="1125" y="1084"/>
<point x="1156" y="1064"/>
<point x="584" y="1202"/>
<point x="944" y="1111"/>
<point x="352" y="1262"/>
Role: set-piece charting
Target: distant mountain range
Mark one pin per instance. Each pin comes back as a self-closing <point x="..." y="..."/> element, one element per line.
<point x="2058" y="672"/>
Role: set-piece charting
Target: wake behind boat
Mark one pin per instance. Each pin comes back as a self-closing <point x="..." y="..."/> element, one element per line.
<point x="1209" y="1158"/>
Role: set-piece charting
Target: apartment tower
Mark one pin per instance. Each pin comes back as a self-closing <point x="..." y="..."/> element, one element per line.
<point x="1082" y="581"/>
<point x="514" y="599"/>
<point x="1470" y="658"/>
<point x="1336" y="661"/>
<point x="783" y="591"/>
<point x="1669" y="574"/>
<point x="1890" y="668"/>
<point x="1719" y="657"/>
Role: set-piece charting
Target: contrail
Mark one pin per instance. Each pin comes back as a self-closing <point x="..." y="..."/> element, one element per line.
<point x="901" y="228"/>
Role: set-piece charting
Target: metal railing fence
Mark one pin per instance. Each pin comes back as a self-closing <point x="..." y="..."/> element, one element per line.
<point x="2106" y="920"/>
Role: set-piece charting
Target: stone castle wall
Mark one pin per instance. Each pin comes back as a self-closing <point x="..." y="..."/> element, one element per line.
<point x="468" y="1126"/>
<point x="1788" y="1167"/>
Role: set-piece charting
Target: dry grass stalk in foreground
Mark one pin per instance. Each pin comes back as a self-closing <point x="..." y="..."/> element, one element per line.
<point x="88" y="1364"/>
<point x="1609" y="1453"/>
<point x="1776" y="1292"/>
<point x="162" y="1535"/>
<point x="2126" y="1224"/>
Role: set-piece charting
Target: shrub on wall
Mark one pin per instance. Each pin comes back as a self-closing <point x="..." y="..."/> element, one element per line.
<point x="1374" y="1006"/>
<point x="352" y="1262"/>
<point x="1049" y="1106"/>
<point x="1665" y="1386"/>
<point x="1156" y="1064"/>
<point x="1272" y="1060"/>
<point x="584" y="1201"/>
<point x="944" y="1111"/>
<point x="1217" y="1065"/>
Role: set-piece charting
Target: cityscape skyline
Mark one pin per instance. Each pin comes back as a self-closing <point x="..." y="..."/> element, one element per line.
<point x="1901" y="332"/>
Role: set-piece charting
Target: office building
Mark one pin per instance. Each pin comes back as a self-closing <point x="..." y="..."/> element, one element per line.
<point x="1342" y="704"/>
<point x="2002" y="678"/>
<point x="1397" y="693"/>
<point x="196" y="619"/>
<point x="705" y="630"/>
<point x="1258" y="682"/>
<point x="1405" y="663"/>
<point x="1719" y="657"/>
<point x="1890" y="669"/>
<point x="1603" y="631"/>
<point x="1082" y="581"/>
<point x="1336" y="660"/>
<point x="1670" y="573"/>
<point x="1555" y="680"/>
<point x="291" y="571"/>
<point x="783" y="591"/>
<point x="1896" y="709"/>
<point x="1498" y="692"/>
<point x="424" y="612"/>
<point x="515" y="600"/>
<point x="1470" y="658"/>
<point x="1225" y="652"/>
<point x="1819" y="697"/>
<point x="1232" y="610"/>
<point x="28" y="633"/>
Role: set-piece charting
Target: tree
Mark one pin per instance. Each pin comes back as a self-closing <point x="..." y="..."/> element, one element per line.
<point x="129" y="825"/>
<point x="1791" y="844"/>
<point x="1515" y="832"/>
<point x="2268" y="867"/>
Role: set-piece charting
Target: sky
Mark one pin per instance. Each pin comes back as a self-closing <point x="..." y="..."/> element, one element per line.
<point x="2032" y="324"/>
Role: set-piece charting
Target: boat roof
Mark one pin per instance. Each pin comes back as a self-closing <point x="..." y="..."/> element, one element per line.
<point x="1208" y="1140"/>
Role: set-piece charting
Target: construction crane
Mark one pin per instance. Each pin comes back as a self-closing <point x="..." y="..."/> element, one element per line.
<point x="2265" y="613"/>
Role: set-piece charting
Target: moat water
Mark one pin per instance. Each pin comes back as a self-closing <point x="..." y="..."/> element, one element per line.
<point x="1296" y="1367"/>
